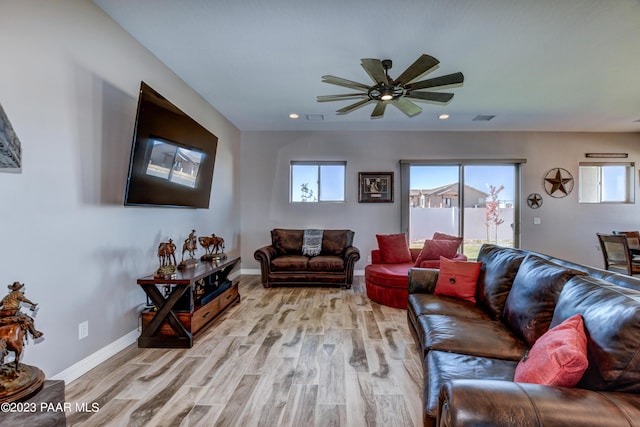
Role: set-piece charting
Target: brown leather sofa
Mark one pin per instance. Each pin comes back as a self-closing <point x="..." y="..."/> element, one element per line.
<point x="283" y="263"/>
<point x="471" y="350"/>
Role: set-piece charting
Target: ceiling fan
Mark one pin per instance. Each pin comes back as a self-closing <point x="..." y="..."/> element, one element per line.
<point x="398" y="92"/>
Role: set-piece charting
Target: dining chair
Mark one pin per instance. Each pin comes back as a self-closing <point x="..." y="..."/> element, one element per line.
<point x="616" y="254"/>
<point x="633" y="239"/>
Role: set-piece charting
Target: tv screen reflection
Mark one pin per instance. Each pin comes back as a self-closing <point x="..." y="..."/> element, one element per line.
<point x="173" y="163"/>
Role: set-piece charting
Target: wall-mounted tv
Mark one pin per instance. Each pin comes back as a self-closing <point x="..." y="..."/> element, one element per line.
<point x="172" y="156"/>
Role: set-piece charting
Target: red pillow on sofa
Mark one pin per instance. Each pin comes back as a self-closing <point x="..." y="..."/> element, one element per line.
<point x="558" y="357"/>
<point x="441" y="236"/>
<point x="434" y="249"/>
<point x="458" y="279"/>
<point x="393" y="248"/>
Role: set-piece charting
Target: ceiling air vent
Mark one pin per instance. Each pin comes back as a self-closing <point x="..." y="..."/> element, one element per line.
<point x="482" y="118"/>
<point x="315" y="117"/>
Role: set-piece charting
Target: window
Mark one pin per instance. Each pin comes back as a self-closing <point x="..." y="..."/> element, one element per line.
<point x="605" y="183"/>
<point x="317" y="182"/>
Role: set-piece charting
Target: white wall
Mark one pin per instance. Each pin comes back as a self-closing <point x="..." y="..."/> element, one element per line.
<point x="567" y="228"/>
<point x="69" y="84"/>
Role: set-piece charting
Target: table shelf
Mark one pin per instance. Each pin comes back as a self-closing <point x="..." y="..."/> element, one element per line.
<point x="186" y="302"/>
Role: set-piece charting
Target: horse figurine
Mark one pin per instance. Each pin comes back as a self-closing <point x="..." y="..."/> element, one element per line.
<point x="218" y="244"/>
<point x="17" y="379"/>
<point x="14" y="324"/>
<point x="13" y="337"/>
<point x="211" y="244"/>
<point x="205" y="242"/>
<point x="190" y="245"/>
<point x="166" y="252"/>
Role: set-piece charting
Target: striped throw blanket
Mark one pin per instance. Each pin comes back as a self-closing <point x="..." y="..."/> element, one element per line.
<point x="312" y="242"/>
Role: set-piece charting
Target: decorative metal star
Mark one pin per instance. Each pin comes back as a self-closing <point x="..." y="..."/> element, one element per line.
<point x="534" y="200"/>
<point x="558" y="180"/>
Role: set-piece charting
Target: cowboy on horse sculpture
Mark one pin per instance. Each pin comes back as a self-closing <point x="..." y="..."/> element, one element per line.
<point x="190" y="245"/>
<point x="14" y="324"/>
<point x="10" y="309"/>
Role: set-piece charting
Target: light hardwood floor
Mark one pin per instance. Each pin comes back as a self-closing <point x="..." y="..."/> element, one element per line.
<point x="287" y="356"/>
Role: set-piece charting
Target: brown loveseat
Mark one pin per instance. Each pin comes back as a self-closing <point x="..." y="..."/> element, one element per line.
<point x="283" y="262"/>
<point x="471" y="350"/>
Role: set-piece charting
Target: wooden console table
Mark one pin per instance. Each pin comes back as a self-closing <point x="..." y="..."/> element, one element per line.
<point x="186" y="302"/>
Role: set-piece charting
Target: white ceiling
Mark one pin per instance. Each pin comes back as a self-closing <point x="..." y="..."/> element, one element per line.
<point x="560" y="65"/>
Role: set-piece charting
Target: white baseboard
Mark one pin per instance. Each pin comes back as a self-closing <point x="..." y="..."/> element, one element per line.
<point x="88" y="363"/>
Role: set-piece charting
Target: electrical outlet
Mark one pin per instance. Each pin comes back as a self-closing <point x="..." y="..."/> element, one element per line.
<point x="369" y="259"/>
<point x="536" y="221"/>
<point x="83" y="330"/>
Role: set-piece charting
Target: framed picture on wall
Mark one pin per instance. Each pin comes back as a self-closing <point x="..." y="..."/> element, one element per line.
<point x="10" y="149"/>
<point x="375" y="187"/>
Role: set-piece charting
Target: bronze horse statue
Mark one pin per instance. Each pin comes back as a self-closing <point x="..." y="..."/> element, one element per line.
<point x="190" y="245"/>
<point x="13" y="337"/>
<point x="167" y="252"/>
<point x="211" y="244"/>
<point x="218" y="244"/>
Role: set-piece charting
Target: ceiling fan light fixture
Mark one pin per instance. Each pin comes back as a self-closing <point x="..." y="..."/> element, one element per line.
<point x="387" y="95"/>
<point x="402" y="91"/>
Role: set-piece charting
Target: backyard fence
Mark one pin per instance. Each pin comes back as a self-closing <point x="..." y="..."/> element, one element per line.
<point x="424" y="222"/>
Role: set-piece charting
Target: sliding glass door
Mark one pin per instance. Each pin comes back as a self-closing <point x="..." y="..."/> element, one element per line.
<point x="475" y="200"/>
<point x="434" y="202"/>
<point x="489" y="213"/>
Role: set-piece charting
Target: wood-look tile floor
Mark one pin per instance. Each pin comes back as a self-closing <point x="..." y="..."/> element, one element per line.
<point x="286" y="356"/>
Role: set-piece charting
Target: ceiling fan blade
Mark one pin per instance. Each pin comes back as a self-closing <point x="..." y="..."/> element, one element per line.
<point x="430" y="96"/>
<point x="449" y="79"/>
<point x="326" y="98"/>
<point x="350" y="108"/>
<point x="422" y="65"/>
<point x="344" y="82"/>
<point x="378" y="111"/>
<point x="407" y="107"/>
<point x="374" y="68"/>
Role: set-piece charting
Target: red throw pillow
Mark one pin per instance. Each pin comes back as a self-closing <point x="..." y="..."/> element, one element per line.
<point x="458" y="279"/>
<point x="393" y="248"/>
<point x="434" y="249"/>
<point x="442" y="236"/>
<point x="558" y="357"/>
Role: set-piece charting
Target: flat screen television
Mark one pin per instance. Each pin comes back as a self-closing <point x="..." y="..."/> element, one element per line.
<point x="172" y="156"/>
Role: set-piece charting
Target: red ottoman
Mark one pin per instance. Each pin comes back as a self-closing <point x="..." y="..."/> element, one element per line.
<point x="388" y="284"/>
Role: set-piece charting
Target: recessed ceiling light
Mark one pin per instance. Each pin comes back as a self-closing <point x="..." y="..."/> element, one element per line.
<point x="293" y="116"/>
<point x="443" y="116"/>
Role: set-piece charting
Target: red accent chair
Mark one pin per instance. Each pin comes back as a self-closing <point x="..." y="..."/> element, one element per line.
<point x="388" y="284"/>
